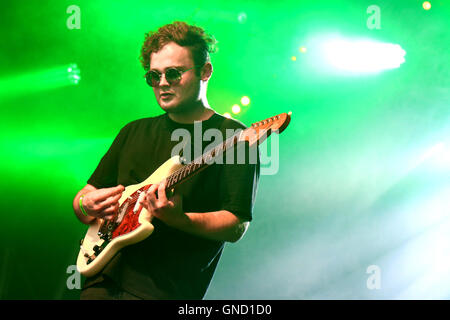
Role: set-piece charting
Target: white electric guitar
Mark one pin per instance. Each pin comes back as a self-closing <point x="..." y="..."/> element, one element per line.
<point x="132" y="222"/>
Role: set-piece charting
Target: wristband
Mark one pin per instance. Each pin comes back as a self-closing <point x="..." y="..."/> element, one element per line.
<point x="81" y="205"/>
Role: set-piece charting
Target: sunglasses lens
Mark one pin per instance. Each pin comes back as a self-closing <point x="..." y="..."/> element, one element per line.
<point x="153" y="78"/>
<point x="173" y="75"/>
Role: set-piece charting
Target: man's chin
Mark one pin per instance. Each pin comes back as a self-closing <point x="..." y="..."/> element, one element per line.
<point x="172" y="106"/>
<point x="167" y="105"/>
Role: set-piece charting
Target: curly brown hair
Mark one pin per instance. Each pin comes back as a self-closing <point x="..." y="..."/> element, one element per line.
<point x="200" y="43"/>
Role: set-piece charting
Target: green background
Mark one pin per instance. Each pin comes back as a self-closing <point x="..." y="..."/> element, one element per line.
<point x="356" y="186"/>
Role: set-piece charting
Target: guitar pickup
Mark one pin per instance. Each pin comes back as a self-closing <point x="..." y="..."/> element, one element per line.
<point x="122" y="212"/>
<point x="137" y="206"/>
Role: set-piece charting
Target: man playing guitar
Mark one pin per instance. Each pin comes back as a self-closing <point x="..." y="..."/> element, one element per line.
<point x="192" y="225"/>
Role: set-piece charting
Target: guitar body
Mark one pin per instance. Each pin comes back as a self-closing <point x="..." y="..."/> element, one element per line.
<point x="134" y="226"/>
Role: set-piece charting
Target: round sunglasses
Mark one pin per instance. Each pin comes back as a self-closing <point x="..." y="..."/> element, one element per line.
<point x="173" y="76"/>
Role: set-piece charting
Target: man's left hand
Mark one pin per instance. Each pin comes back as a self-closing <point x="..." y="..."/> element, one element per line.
<point x="168" y="210"/>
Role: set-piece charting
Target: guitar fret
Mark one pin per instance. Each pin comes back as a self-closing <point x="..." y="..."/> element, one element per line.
<point x="179" y="175"/>
<point x="227" y="144"/>
<point x="230" y="142"/>
<point x="183" y="172"/>
<point x="169" y="181"/>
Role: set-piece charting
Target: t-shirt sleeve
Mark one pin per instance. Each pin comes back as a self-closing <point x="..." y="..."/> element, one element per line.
<point x="106" y="173"/>
<point x="239" y="183"/>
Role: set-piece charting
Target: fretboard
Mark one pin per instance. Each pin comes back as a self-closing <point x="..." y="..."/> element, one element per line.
<point x="201" y="162"/>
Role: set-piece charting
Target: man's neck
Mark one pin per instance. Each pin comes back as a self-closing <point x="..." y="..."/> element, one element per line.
<point x="199" y="113"/>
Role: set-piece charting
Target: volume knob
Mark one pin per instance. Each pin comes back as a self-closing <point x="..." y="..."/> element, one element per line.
<point x="97" y="249"/>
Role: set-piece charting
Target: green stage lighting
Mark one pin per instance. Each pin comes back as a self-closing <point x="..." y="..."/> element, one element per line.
<point x="42" y="80"/>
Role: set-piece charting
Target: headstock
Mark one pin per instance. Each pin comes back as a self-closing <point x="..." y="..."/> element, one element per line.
<point x="259" y="131"/>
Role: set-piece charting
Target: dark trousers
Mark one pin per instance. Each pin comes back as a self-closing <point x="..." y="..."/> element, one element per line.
<point x="106" y="290"/>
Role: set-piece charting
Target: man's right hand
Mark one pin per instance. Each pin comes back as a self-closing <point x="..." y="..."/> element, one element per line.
<point x="102" y="203"/>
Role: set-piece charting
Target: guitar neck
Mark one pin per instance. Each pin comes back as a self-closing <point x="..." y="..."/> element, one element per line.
<point x="256" y="134"/>
<point x="201" y="162"/>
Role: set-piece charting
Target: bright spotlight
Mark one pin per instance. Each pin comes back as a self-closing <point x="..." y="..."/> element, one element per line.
<point x="245" y="101"/>
<point x="363" y="55"/>
<point x="242" y="17"/>
<point x="73" y="73"/>
<point x="236" y="109"/>
<point x="227" y="115"/>
<point x="426" y="5"/>
<point x="436" y="157"/>
<point x="41" y="80"/>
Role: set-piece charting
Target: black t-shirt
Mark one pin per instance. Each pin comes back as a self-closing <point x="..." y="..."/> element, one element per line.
<point x="172" y="264"/>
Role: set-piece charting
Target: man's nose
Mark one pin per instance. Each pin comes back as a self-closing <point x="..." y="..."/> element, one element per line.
<point x="163" y="82"/>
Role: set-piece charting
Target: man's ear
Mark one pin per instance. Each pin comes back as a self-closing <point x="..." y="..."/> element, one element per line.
<point x="206" y="71"/>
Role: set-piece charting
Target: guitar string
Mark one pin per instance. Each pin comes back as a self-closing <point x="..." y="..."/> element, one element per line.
<point x="184" y="171"/>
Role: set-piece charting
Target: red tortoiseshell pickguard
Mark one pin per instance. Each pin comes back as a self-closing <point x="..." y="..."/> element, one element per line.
<point x="130" y="220"/>
<point x="128" y="224"/>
